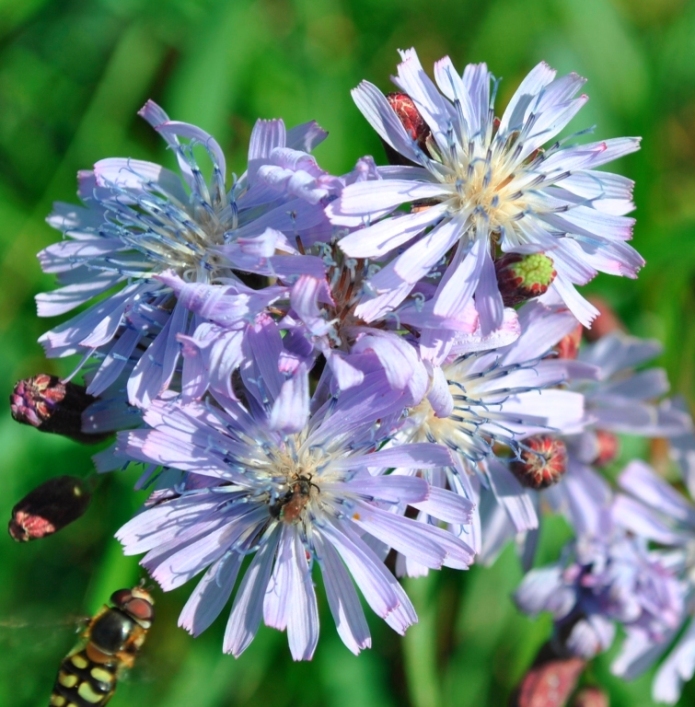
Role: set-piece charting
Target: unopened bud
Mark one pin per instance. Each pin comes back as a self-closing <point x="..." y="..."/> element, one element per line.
<point x="414" y="124"/>
<point x="607" y="447"/>
<point x="521" y="277"/>
<point x="549" y="683"/>
<point x="590" y="697"/>
<point x="542" y="462"/>
<point x="50" y="405"/>
<point x="568" y="346"/>
<point x="48" y="508"/>
<point x="606" y="322"/>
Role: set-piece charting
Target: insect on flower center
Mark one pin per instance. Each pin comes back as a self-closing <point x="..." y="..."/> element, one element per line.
<point x="290" y="507"/>
<point x="296" y="485"/>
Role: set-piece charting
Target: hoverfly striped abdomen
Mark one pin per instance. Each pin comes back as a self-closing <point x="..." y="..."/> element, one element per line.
<point x="88" y="674"/>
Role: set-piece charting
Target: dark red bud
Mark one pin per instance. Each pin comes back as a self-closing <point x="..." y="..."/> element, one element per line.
<point x="48" y="508"/>
<point x="50" y="405"/>
<point x="407" y="112"/>
<point x="590" y="697"/>
<point x="542" y="463"/>
<point x="522" y="277"/>
<point x="568" y="346"/>
<point x="608" y="447"/>
<point x="414" y="124"/>
<point x="549" y="684"/>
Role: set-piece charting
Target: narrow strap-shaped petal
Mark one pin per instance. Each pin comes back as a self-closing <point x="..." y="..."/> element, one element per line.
<point x="366" y="197"/>
<point x="434" y="109"/>
<point x="247" y="609"/>
<point x="303" y="615"/>
<point x="378" y="586"/>
<point x="422" y="455"/>
<point x="460" y="280"/>
<point x="677" y="669"/>
<point x="513" y="497"/>
<point x="447" y="506"/>
<point x="426" y="544"/>
<point x="305" y="136"/>
<point x="138" y="175"/>
<point x="290" y="410"/>
<point x="383" y="237"/>
<point x="212" y="593"/>
<point x="276" y="603"/>
<point x="376" y="109"/>
<point x="517" y="109"/>
<point x="342" y="598"/>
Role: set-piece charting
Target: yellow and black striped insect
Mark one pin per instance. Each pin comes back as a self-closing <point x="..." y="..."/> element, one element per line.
<point x="110" y="642"/>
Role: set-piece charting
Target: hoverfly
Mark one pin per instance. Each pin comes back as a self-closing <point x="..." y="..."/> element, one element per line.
<point x="88" y="674"/>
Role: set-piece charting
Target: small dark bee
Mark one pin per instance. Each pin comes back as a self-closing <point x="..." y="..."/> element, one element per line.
<point x="290" y="506"/>
<point x="88" y="674"/>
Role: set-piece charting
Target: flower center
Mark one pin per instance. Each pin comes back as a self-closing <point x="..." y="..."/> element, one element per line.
<point x="487" y="191"/>
<point x="171" y="234"/>
<point x="295" y="476"/>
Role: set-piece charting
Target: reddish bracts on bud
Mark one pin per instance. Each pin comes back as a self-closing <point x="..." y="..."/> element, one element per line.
<point x="607" y="447"/>
<point x="549" y="681"/>
<point x="606" y="322"/>
<point x="522" y="277"/>
<point x="542" y="462"/>
<point x="50" y="405"/>
<point x="568" y="346"/>
<point x="590" y="697"/>
<point x="48" y="508"/>
<point x="414" y="124"/>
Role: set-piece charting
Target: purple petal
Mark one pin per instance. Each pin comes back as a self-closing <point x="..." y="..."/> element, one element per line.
<point x="677" y="669"/>
<point x="212" y="593"/>
<point x="342" y="598"/>
<point x="247" y="610"/>
<point x="379" y="587"/>
<point x="425" y="544"/>
<point x="290" y="410"/>
<point x="386" y="235"/>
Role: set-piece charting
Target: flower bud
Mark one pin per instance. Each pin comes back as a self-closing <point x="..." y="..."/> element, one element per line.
<point x="46" y="403"/>
<point x="48" y="508"/>
<point x="590" y="697"/>
<point x="414" y="124"/>
<point x="607" y="447"/>
<point x="542" y="462"/>
<point x="568" y="346"/>
<point x="521" y="277"/>
<point x="549" y="682"/>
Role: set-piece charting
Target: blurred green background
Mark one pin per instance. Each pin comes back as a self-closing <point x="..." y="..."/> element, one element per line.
<point x="73" y="73"/>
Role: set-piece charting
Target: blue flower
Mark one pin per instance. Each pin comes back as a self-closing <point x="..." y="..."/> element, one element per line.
<point x="600" y="581"/>
<point x="289" y="500"/>
<point x="141" y="220"/>
<point x="653" y="510"/>
<point x="477" y="184"/>
<point x="484" y="403"/>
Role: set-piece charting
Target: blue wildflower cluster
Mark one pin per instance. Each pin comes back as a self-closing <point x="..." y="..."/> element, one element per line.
<point x="379" y="373"/>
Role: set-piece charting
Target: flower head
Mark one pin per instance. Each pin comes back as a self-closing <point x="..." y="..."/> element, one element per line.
<point x="653" y="510"/>
<point x="601" y="581"/>
<point x="317" y="495"/>
<point x="141" y="220"/>
<point x="51" y="405"/>
<point x="478" y="184"/>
